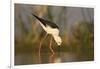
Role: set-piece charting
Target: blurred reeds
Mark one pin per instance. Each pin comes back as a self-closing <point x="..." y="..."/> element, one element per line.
<point x="28" y="33"/>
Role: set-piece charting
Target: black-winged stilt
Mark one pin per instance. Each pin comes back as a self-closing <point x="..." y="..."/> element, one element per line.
<point x="50" y="28"/>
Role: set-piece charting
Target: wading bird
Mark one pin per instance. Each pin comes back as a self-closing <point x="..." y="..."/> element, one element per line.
<point x="50" y="28"/>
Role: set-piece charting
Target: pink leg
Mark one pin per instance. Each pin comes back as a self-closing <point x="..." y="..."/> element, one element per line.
<point x="50" y="46"/>
<point x="40" y="48"/>
<point x="51" y="59"/>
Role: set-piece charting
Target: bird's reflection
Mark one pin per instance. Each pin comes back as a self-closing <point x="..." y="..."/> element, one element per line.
<point x="55" y="58"/>
<point x="52" y="58"/>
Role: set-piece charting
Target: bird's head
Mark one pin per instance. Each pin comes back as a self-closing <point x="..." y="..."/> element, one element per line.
<point x="58" y="40"/>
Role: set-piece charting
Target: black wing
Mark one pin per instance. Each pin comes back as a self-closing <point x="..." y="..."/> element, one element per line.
<point x="46" y="22"/>
<point x="51" y="24"/>
<point x="39" y="19"/>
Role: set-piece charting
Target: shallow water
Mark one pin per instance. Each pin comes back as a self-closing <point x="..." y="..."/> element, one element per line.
<point x="30" y="55"/>
<point x="46" y="57"/>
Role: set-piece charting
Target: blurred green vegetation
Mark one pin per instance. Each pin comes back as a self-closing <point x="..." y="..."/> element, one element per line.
<point x="82" y="41"/>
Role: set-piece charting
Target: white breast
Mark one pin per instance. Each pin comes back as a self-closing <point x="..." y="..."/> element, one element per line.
<point x="53" y="31"/>
<point x="49" y="30"/>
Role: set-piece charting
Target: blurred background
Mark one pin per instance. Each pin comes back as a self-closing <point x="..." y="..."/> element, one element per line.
<point x="76" y="26"/>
